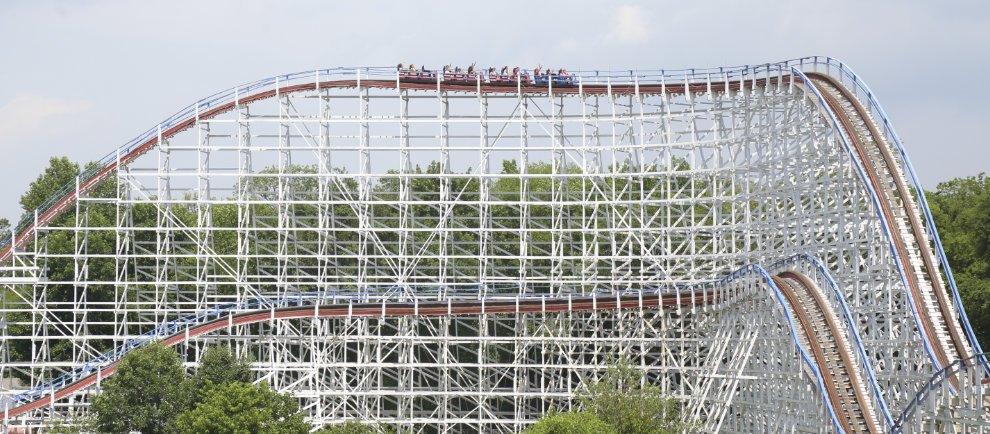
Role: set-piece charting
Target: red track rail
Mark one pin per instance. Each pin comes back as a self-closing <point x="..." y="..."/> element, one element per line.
<point x="646" y="301"/>
<point x="450" y="308"/>
<point x="85" y="186"/>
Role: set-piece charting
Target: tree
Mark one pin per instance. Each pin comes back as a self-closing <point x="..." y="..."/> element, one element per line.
<point x="572" y="422"/>
<point x="59" y="173"/>
<point x="243" y="408"/>
<point x="146" y="393"/>
<point x="625" y="400"/>
<point x="961" y="210"/>
<point x="219" y="366"/>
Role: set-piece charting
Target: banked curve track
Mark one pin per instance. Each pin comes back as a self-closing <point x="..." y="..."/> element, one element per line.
<point x="815" y="328"/>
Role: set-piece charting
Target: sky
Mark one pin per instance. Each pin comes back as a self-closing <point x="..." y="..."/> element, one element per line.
<point x="80" y="78"/>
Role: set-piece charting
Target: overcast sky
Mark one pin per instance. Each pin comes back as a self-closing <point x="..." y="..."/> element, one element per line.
<point x="83" y="77"/>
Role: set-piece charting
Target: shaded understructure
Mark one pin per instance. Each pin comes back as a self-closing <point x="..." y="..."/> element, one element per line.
<point x="463" y="254"/>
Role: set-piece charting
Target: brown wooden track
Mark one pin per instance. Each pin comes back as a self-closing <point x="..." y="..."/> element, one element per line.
<point x="87" y="185"/>
<point x="838" y="372"/>
<point x="475" y="307"/>
<point x="875" y="175"/>
<point x="829" y="348"/>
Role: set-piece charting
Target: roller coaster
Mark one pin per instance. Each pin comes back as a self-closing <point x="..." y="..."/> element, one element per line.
<point x="465" y="252"/>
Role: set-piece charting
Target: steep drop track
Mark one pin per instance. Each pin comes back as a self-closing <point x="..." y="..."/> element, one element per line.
<point x="833" y="354"/>
<point x="931" y="298"/>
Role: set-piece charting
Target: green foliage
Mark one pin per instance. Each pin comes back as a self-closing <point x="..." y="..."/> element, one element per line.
<point x="573" y="197"/>
<point x="624" y="399"/>
<point x="218" y="367"/>
<point x="961" y="209"/>
<point x="145" y="394"/>
<point x="354" y="427"/>
<point x="573" y="422"/>
<point x="60" y="172"/>
<point x="243" y="408"/>
<point x="4" y="229"/>
<point x="150" y="393"/>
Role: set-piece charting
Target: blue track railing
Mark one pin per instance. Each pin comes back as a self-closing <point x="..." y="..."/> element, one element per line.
<point x="863" y="92"/>
<point x="938" y="381"/>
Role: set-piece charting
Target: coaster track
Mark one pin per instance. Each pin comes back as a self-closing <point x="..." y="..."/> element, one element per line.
<point x="816" y="327"/>
<point x="931" y="299"/>
<point x="837" y="360"/>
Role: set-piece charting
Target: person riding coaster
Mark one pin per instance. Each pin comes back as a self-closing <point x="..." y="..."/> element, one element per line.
<point x="541" y="75"/>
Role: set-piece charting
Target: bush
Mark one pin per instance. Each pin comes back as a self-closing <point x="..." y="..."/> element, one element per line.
<point x="573" y="422"/>
<point x="243" y="408"/>
<point x="625" y="400"/>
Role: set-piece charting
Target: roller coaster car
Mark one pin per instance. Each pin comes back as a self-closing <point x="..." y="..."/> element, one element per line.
<point x="508" y="79"/>
<point x="557" y="80"/>
<point x="445" y="77"/>
<point x="461" y="78"/>
<point x="492" y="80"/>
<point x="418" y="77"/>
